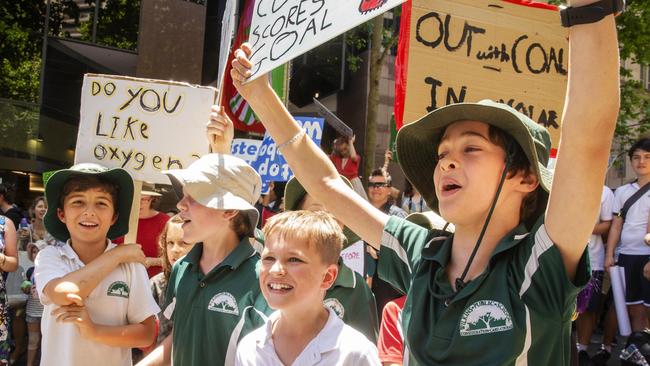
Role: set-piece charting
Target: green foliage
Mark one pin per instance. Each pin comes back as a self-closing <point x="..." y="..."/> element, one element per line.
<point x="117" y="26"/>
<point x="21" y="26"/>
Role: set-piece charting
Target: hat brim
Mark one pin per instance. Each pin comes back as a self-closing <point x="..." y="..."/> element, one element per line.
<point x="417" y="144"/>
<point x="226" y="201"/>
<point x="54" y="188"/>
<point x="294" y="193"/>
<point x="150" y="193"/>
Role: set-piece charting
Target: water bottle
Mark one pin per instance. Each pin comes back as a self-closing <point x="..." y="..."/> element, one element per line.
<point x="23" y="224"/>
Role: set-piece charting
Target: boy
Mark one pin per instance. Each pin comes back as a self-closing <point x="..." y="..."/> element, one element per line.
<point x="628" y="233"/>
<point x="213" y="291"/>
<point x="501" y="290"/>
<point x="349" y="296"/>
<point x="96" y="295"/>
<point x="299" y="263"/>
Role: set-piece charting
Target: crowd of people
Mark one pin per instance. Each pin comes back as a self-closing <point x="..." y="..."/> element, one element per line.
<point x="480" y="261"/>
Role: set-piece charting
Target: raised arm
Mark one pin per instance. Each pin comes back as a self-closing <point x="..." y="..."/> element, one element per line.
<point x="84" y="280"/>
<point x="220" y="131"/>
<point x="309" y="163"/>
<point x="590" y="112"/>
<point x="353" y="151"/>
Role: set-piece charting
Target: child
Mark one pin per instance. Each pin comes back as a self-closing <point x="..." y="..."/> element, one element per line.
<point x="34" y="308"/>
<point x="349" y="296"/>
<point x="502" y="289"/>
<point x="97" y="302"/>
<point x="213" y="296"/>
<point x="172" y="248"/>
<point x="299" y="263"/>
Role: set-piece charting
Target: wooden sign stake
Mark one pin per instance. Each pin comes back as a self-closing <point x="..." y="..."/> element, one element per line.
<point x="132" y="236"/>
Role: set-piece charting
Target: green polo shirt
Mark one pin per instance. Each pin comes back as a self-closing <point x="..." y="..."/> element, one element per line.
<point x="518" y="312"/>
<point x="353" y="302"/>
<point x="214" y="311"/>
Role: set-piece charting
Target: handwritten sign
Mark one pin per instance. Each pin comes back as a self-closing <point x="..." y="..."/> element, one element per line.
<point x="354" y="257"/>
<point x="282" y="30"/>
<point x="144" y="126"/>
<point x="270" y="163"/>
<point x="246" y="149"/>
<point x="468" y="50"/>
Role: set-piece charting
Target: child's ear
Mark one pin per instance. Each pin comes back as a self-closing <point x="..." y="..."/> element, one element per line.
<point x="60" y="214"/>
<point x="529" y="182"/>
<point x="330" y="276"/>
<point x="230" y="214"/>
<point x="115" y="216"/>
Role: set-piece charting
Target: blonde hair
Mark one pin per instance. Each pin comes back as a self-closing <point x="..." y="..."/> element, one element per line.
<point x="162" y="245"/>
<point x="317" y="228"/>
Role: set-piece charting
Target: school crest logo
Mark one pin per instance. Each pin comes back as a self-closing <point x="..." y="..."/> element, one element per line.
<point x="483" y="317"/>
<point x="119" y="289"/>
<point x="335" y="305"/>
<point x="224" y="302"/>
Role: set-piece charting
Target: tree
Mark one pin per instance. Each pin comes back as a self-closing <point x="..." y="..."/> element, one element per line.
<point x="382" y="40"/>
<point x="117" y="25"/>
<point x="21" y="34"/>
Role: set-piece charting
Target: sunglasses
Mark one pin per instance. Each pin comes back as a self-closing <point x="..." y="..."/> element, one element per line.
<point x="377" y="184"/>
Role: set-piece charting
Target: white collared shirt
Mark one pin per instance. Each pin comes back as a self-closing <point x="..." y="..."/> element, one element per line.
<point x="636" y="221"/>
<point x="337" y="344"/>
<point x="123" y="297"/>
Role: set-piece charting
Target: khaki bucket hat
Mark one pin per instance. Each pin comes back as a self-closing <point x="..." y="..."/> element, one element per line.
<point x="417" y="143"/>
<point x="221" y="182"/>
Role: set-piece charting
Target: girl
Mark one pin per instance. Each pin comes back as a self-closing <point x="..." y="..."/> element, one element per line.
<point x="34" y="308"/>
<point x="171" y="248"/>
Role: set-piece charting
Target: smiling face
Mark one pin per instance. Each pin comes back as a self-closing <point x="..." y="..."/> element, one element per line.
<point x="292" y="274"/>
<point x="88" y="215"/>
<point x="468" y="171"/>
<point x="202" y="222"/>
<point x="378" y="190"/>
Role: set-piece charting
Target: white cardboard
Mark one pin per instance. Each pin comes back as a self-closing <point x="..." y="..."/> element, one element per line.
<point x="162" y="127"/>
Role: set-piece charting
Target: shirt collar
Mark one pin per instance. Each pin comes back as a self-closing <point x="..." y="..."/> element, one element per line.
<point x="325" y="341"/>
<point x="67" y="251"/>
<point x="345" y="277"/>
<point x="239" y="255"/>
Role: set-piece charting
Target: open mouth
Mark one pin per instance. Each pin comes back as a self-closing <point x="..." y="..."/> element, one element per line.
<point x="450" y="187"/>
<point x="88" y="225"/>
<point x="279" y="287"/>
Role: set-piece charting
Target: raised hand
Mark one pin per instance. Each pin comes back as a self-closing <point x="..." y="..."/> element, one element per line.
<point x="220" y="131"/>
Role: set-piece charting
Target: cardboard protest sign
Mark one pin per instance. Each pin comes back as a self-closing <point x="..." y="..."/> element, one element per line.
<point x="246" y="149"/>
<point x="144" y="126"/>
<point x="468" y="50"/>
<point x="270" y="163"/>
<point x="283" y="30"/>
<point x="333" y="120"/>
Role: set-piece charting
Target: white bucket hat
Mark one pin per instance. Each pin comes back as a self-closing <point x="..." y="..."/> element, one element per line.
<point x="221" y="182"/>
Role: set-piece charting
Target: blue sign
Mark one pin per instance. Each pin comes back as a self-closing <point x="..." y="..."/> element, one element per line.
<point x="270" y="163"/>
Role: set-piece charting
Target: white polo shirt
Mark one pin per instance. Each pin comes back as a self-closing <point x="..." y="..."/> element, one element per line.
<point x="596" y="245"/>
<point x="636" y="221"/>
<point x="123" y="297"/>
<point x="337" y="344"/>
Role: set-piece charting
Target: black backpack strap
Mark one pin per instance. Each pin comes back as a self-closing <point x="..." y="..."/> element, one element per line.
<point x="632" y="200"/>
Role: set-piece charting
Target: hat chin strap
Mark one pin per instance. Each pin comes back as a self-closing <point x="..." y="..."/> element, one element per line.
<point x="460" y="281"/>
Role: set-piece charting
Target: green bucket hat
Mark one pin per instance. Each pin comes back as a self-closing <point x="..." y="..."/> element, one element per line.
<point x="54" y="188"/>
<point x="417" y="143"/>
<point x="293" y="195"/>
